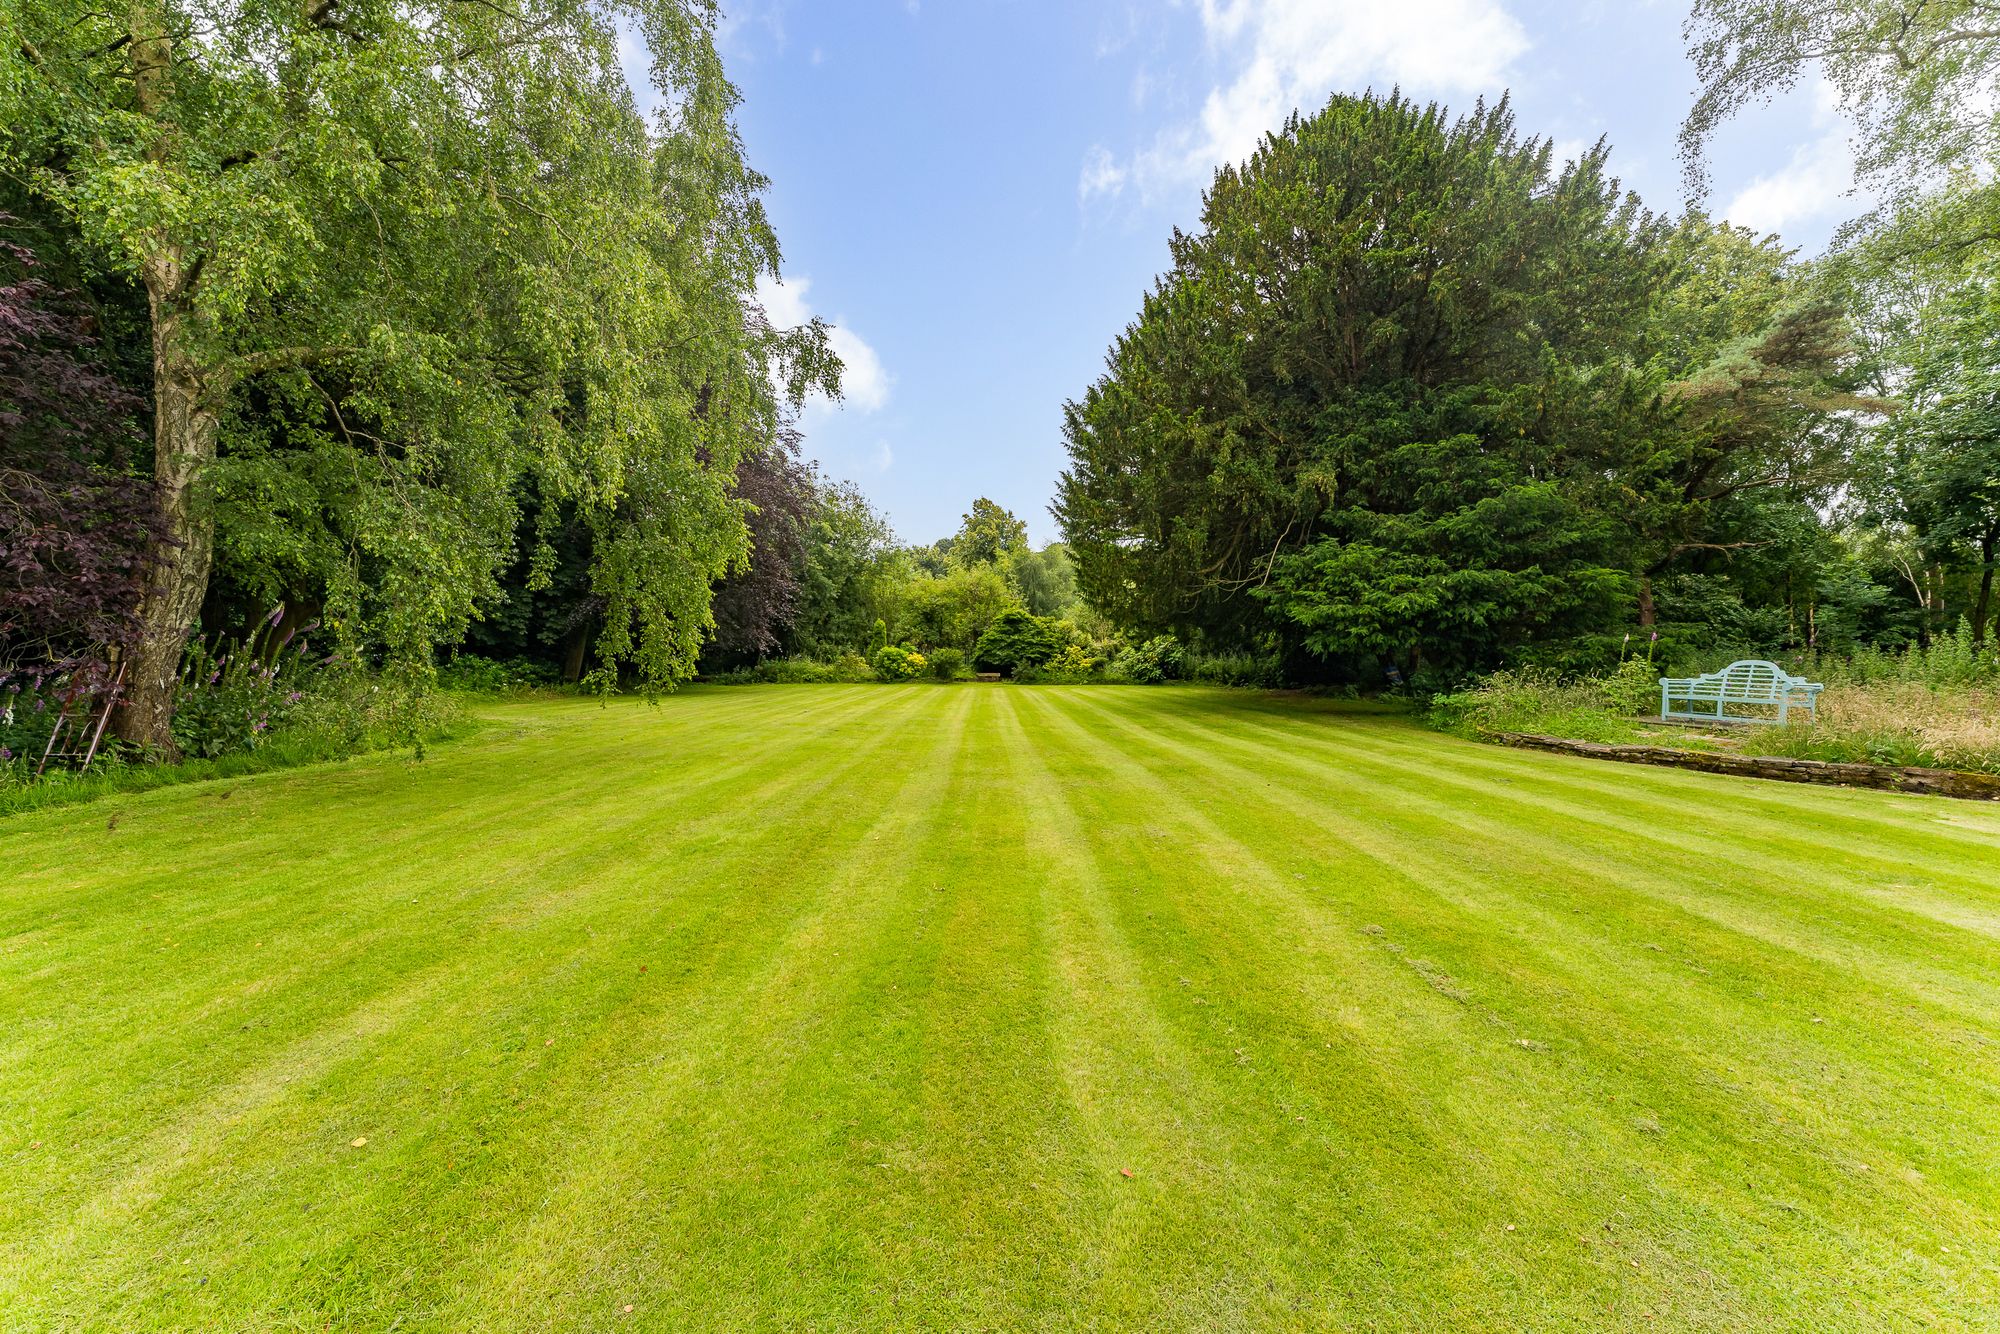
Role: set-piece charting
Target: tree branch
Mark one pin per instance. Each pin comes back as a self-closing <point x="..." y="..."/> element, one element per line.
<point x="247" y="364"/>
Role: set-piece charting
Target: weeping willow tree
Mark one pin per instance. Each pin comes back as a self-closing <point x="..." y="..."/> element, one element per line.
<point x="406" y="262"/>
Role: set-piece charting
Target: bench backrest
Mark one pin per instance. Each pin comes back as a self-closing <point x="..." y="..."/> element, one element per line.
<point x="1753" y="680"/>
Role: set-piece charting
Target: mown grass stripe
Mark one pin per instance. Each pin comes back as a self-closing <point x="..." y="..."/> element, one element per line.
<point x="926" y="967"/>
<point x="1667" y="1047"/>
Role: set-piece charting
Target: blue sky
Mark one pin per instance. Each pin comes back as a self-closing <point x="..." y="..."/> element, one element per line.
<point x="979" y="192"/>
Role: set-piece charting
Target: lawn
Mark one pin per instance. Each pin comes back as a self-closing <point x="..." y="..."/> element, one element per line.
<point x="997" y="1007"/>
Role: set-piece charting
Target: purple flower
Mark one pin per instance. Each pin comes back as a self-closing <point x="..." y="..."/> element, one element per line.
<point x="294" y="697"/>
<point x="41" y="705"/>
<point x="277" y="613"/>
<point x="215" y="676"/>
<point x="5" y="754"/>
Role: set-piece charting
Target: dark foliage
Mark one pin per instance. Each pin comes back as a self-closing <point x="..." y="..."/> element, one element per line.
<point x="1015" y="639"/>
<point x="74" y="522"/>
<point x="755" y="606"/>
<point x="1418" y="397"/>
<point x="547" y="611"/>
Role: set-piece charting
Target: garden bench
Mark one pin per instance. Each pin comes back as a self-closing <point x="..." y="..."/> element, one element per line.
<point x="1752" y="681"/>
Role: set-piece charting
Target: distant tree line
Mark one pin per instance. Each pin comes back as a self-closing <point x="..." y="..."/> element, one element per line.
<point x="403" y="320"/>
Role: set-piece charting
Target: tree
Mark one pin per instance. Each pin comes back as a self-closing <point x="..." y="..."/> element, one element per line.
<point x="1926" y="293"/>
<point x="951" y="610"/>
<point x="1382" y="357"/>
<point x="74" y="522"/>
<point x="1921" y="78"/>
<point x="1943" y="453"/>
<point x="848" y="576"/>
<point x="988" y="535"/>
<point x="1748" y="386"/>
<point x="754" y="606"/>
<point x="1015" y="639"/>
<point x="545" y="609"/>
<point x="1045" y="580"/>
<point x="439" y="244"/>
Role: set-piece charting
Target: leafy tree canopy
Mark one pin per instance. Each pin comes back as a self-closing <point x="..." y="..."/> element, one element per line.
<point x="1045" y="580"/>
<point x="988" y="535"/>
<point x="952" y="610"/>
<point x="755" y="605"/>
<point x="401" y="260"/>
<point x="1016" y="639"/>
<point x="1933" y="311"/>
<point x="1921" y="78"/>
<point x="849" y="575"/>
<point x="1414" y="392"/>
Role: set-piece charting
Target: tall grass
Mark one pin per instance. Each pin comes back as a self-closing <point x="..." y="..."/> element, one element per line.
<point x="1949" y="660"/>
<point x="1935" y="707"/>
<point x="1540" y="700"/>
<point x="1890" y="721"/>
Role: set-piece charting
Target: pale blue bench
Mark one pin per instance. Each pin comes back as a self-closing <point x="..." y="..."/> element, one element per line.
<point x="1752" y="681"/>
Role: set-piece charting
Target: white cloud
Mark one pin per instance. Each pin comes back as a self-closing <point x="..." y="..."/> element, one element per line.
<point x="885" y="457"/>
<point x="1101" y="174"/>
<point x="1287" y="54"/>
<point x="1817" y="184"/>
<point x="864" y="380"/>
<point x="1562" y="151"/>
<point x="1808" y="187"/>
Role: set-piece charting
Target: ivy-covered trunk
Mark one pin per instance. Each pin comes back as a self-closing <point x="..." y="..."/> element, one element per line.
<point x="178" y="562"/>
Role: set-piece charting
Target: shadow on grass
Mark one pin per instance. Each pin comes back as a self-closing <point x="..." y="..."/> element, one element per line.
<point x="66" y="788"/>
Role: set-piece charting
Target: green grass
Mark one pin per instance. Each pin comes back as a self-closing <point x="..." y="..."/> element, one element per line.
<point x="851" y="1007"/>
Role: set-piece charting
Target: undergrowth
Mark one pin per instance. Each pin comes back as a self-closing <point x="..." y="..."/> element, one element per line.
<point x="1936" y="708"/>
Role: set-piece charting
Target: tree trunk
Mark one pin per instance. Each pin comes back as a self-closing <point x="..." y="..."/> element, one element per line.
<point x="185" y="420"/>
<point x="1982" y="610"/>
<point x="1647" y="615"/>
<point x="579" y="640"/>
